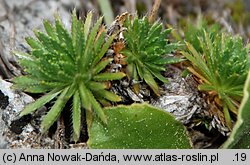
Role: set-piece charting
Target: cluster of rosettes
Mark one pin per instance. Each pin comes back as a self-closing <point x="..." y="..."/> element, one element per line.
<point x="74" y="65"/>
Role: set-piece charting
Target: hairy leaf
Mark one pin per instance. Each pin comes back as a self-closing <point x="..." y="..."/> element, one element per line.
<point x="136" y="127"/>
<point x="76" y="116"/>
<point x="222" y="63"/>
<point x="240" y="135"/>
<point x="147" y="46"/>
<point x="71" y="62"/>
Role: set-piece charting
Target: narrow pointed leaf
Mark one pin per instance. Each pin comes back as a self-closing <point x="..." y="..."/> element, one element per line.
<point x="76" y="116"/>
<point x="96" y="86"/>
<point x="99" y="41"/>
<point x="87" y="59"/>
<point x="101" y="65"/>
<point x="98" y="109"/>
<point x="159" y="76"/>
<point x="104" y="49"/>
<point x="109" y="76"/>
<point x="23" y="55"/>
<point x="49" y="29"/>
<point x="33" y="43"/>
<point x="64" y="37"/>
<point x="40" y="102"/>
<point x="109" y="95"/>
<point x="84" y="94"/>
<point x="151" y="82"/>
<point x="87" y="24"/>
<point x="199" y="64"/>
<point x="56" y="109"/>
<point x="169" y="60"/>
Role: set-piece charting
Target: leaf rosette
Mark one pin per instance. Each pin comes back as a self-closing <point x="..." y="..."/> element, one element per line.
<point x="67" y="65"/>
<point x="147" y="51"/>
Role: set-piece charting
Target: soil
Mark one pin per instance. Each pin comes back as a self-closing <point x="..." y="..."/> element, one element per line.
<point x="19" y="18"/>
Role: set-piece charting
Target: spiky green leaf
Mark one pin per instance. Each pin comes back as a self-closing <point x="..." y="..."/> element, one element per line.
<point x="56" y="109"/>
<point x="147" y="48"/>
<point x="76" y="116"/>
<point x="221" y="61"/>
<point x="109" y="76"/>
<point x="69" y="62"/>
<point x="101" y="65"/>
<point x="108" y="95"/>
<point x="40" y="102"/>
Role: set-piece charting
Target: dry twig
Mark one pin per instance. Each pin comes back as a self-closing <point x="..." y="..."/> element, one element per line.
<point x="154" y="11"/>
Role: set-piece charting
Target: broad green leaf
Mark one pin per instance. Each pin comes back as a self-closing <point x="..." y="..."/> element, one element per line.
<point x="138" y="126"/>
<point x="240" y="136"/>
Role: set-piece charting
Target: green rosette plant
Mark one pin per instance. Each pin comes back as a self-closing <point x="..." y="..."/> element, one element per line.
<point x="147" y="50"/>
<point x="221" y="68"/>
<point x="68" y="65"/>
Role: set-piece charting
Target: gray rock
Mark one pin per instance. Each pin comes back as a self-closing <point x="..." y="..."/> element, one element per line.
<point x="16" y="102"/>
<point x="19" y="132"/>
<point x="182" y="100"/>
<point x="3" y="104"/>
<point x="12" y="102"/>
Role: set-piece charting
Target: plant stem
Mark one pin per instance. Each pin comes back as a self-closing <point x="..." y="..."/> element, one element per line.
<point x="106" y="11"/>
<point x="154" y="11"/>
